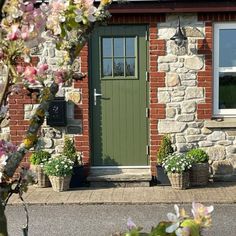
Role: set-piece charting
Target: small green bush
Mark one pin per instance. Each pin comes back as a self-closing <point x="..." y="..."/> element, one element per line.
<point x="58" y="166"/>
<point x="69" y="149"/>
<point x="198" y="155"/>
<point x="39" y="157"/>
<point x="165" y="149"/>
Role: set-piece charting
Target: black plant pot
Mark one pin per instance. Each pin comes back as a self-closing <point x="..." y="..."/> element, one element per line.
<point x="162" y="177"/>
<point x="78" y="178"/>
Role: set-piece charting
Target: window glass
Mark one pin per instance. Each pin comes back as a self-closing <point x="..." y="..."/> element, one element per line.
<point x="130" y="44"/>
<point x="118" y="47"/>
<point x="118" y="67"/>
<point x="107" y="47"/>
<point x="227" y="90"/>
<point x="227" y="47"/>
<point x="130" y="67"/>
<point x="107" y="67"/>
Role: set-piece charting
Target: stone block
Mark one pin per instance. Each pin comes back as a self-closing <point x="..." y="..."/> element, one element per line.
<point x="174" y="49"/>
<point x="186" y="118"/>
<point x="195" y="124"/>
<point x="206" y="130"/>
<point x="193" y="32"/>
<point x="177" y="99"/>
<point x="194" y="93"/>
<point x="224" y="142"/>
<point x="189" y="83"/>
<point x="163" y="97"/>
<point x="192" y="131"/>
<point x="47" y="142"/>
<point x="217" y="136"/>
<point x="166" y="127"/>
<point x="172" y="79"/>
<point x="167" y="59"/>
<point x="205" y="144"/>
<point x="163" y="67"/>
<point x="216" y="153"/>
<point x="188" y="76"/>
<point x="184" y="147"/>
<point x="195" y="138"/>
<point x="231" y="149"/>
<point x="180" y="139"/>
<point x="222" y="167"/>
<point x="179" y="92"/>
<point x="194" y="63"/>
<point x="170" y="112"/>
<point x="189" y="107"/>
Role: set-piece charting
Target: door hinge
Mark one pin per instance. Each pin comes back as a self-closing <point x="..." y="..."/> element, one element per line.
<point x="147" y="76"/>
<point x="146" y="36"/>
<point x="147" y="150"/>
<point x="147" y="112"/>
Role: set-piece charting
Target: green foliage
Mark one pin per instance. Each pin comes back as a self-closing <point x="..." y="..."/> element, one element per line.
<point x="160" y="229"/>
<point x="58" y="166"/>
<point x="194" y="228"/>
<point x="69" y="149"/>
<point x="177" y="163"/>
<point x="39" y="157"/>
<point x="198" y="155"/>
<point x="165" y="149"/>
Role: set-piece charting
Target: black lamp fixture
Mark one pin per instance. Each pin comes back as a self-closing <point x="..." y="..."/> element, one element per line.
<point x="179" y="37"/>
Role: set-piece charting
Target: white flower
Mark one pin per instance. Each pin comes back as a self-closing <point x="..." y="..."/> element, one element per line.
<point x="3" y="160"/>
<point x="78" y="17"/>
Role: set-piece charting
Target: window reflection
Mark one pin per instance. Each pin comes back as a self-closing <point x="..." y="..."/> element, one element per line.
<point x="118" y="47"/>
<point x="118" y="67"/>
<point x="107" y="67"/>
<point x="107" y="47"/>
<point x="130" y="44"/>
<point x="130" y="67"/>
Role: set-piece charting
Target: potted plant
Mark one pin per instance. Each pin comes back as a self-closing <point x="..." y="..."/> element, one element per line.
<point x="59" y="170"/>
<point x="177" y="167"/>
<point x="70" y="152"/>
<point x="199" y="172"/>
<point x="38" y="159"/>
<point x="164" y="150"/>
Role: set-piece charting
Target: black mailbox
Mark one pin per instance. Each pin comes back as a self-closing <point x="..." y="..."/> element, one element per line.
<point x="57" y="112"/>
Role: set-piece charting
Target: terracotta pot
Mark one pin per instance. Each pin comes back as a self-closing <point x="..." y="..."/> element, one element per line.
<point x="199" y="174"/>
<point x="179" y="180"/>
<point x="60" y="183"/>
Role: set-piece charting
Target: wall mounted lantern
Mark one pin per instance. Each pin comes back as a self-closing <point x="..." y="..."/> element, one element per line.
<point x="179" y="37"/>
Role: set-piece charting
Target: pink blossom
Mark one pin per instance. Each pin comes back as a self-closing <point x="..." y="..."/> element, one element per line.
<point x="30" y="74"/>
<point x="42" y="69"/>
<point x="14" y="34"/>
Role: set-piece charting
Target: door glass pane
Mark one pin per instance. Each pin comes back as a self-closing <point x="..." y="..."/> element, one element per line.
<point x="130" y="44"/>
<point x="227" y="46"/>
<point x="118" y="47"/>
<point x="118" y="67"/>
<point x="106" y="47"/>
<point x="107" y="67"/>
<point x="130" y="66"/>
<point x="227" y="88"/>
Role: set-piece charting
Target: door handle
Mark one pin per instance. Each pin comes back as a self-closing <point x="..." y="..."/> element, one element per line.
<point x="95" y="95"/>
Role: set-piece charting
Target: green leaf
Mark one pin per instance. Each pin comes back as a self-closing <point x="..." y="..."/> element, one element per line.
<point x="194" y="227"/>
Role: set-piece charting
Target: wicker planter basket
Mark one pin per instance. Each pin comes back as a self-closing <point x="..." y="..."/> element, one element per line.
<point x="179" y="180"/>
<point x="43" y="180"/>
<point x="60" y="183"/>
<point x="199" y="174"/>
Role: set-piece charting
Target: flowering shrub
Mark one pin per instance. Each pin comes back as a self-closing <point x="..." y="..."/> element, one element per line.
<point x="58" y="166"/>
<point x="178" y="224"/>
<point x="40" y="157"/>
<point x="177" y="163"/>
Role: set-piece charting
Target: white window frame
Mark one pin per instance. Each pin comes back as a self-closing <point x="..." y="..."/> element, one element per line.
<point x="217" y="69"/>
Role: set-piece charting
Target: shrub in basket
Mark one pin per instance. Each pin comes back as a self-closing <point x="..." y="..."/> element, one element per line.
<point x="164" y="150"/>
<point x="199" y="173"/>
<point x="37" y="159"/>
<point x="59" y="169"/>
<point x="177" y="167"/>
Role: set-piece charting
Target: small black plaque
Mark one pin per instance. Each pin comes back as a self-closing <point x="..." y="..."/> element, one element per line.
<point x="57" y="113"/>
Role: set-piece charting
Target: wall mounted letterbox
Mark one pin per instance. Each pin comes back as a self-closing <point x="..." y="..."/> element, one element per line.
<point x="57" y="112"/>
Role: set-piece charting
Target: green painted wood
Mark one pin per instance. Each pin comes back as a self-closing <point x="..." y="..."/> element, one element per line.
<point x="118" y="121"/>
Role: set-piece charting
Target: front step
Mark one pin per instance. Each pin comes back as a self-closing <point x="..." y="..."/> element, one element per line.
<point x="119" y="177"/>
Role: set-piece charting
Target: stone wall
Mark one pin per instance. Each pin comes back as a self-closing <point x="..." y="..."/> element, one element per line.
<point x="185" y="96"/>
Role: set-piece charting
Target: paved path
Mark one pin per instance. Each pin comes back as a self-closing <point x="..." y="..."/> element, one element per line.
<point x="213" y="193"/>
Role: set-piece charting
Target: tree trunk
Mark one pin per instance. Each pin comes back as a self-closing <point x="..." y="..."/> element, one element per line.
<point x="3" y="222"/>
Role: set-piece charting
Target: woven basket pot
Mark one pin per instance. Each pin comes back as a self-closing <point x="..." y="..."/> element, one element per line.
<point x="43" y="180"/>
<point x="179" y="180"/>
<point x="60" y="183"/>
<point x="199" y="174"/>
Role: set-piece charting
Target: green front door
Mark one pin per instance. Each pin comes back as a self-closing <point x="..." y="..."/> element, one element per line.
<point x="118" y="96"/>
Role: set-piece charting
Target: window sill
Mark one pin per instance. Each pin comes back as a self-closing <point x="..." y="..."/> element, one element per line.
<point x="221" y="123"/>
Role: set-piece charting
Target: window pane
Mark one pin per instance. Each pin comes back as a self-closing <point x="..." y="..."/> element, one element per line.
<point x="118" y="47"/>
<point x="130" y="67"/>
<point x="227" y="96"/>
<point x="118" y="67"/>
<point x="107" y="67"/>
<point x="130" y="44"/>
<point x="227" y="48"/>
<point x="106" y="47"/>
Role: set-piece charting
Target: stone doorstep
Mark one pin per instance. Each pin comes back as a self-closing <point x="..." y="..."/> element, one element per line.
<point x="119" y="177"/>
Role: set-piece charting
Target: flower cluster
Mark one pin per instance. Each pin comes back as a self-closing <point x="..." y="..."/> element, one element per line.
<point x="6" y="148"/>
<point x="177" y="163"/>
<point x="178" y="224"/>
<point x="58" y="166"/>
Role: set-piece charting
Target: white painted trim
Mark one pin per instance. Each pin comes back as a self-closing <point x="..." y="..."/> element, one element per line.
<point x="119" y="167"/>
<point x="216" y="111"/>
